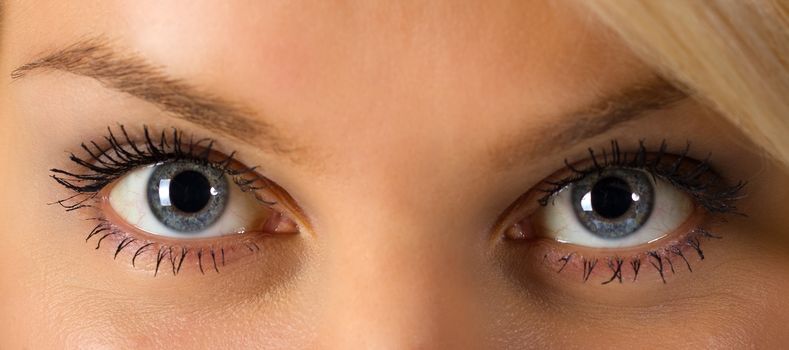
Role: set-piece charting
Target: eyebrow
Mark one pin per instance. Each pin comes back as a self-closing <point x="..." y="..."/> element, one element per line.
<point x="627" y="105"/>
<point x="132" y="74"/>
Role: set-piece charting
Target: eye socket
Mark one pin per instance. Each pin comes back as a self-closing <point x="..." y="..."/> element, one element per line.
<point x="614" y="208"/>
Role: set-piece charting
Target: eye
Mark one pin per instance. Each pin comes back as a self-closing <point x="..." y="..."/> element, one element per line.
<point x="615" y="208"/>
<point x="614" y="213"/>
<point x="186" y="199"/>
<point x="177" y="201"/>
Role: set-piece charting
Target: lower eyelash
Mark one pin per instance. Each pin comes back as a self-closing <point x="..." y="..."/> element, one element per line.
<point x="616" y="268"/>
<point x="206" y="258"/>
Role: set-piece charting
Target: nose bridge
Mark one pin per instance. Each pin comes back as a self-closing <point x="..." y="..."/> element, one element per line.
<point x="393" y="278"/>
<point x="393" y="250"/>
<point x="381" y="289"/>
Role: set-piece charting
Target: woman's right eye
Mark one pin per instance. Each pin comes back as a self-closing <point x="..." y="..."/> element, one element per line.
<point x="174" y="199"/>
<point x="186" y="200"/>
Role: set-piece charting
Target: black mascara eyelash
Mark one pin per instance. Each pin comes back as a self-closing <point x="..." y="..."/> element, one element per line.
<point x="102" y="166"/>
<point x="208" y="258"/>
<point x="174" y="254"/>
<point x="661" y="260"/>
<point x="700" y="182"/>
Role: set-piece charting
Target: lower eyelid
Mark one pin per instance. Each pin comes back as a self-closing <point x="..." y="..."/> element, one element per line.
<point x="250" y="266"/>
<point x="693" y="216"/>
<point x="162" y="254"/>
<point x="175" y="256"/>
<point x="657" y="262"/>
<point x="657" y="267"/>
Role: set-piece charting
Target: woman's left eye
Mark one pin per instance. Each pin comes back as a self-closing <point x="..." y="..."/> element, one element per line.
<point x="184" y="199"/>
<point x="622" y="210"/>
<point x="615" y="208"/>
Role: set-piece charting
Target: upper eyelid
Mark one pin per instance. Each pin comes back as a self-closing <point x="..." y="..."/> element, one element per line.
<point x="652" y="162"/>
<point x="122" y="152"/>
<point x="241" y="174"/>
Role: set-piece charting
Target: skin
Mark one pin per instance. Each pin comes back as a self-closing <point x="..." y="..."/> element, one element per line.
<point x="406" y="130"/>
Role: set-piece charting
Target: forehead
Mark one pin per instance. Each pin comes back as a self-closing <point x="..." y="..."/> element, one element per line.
<point x="468" y="68"/>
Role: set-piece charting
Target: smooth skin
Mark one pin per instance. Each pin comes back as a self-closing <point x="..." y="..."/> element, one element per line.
<point x="405" y="130"/>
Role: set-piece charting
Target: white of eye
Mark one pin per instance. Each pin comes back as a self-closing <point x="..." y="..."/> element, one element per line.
<point x="128" y="199"/>
<point x="671" y="209"/>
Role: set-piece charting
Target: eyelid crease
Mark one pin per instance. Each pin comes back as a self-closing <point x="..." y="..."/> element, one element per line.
<point x="665" y="259"/>
<point x="154" y="255"/>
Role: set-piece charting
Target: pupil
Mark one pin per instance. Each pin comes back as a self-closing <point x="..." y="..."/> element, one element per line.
<point x="190" y="191"/>
<point x="611" y="197"/>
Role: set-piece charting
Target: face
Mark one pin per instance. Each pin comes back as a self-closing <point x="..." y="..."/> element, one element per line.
<point x="428" y="175"/>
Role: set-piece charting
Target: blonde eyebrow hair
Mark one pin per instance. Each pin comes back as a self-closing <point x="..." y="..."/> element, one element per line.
<point x="133" y="75"/>
<point x="626" y="105"/>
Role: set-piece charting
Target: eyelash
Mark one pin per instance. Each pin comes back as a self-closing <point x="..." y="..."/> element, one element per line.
<point x="107" y="168"/>
<point x="697" y="182"/>
<point x="657" y="258"/>
<point x="694" y="178"/>
<point x="103" y="166"/>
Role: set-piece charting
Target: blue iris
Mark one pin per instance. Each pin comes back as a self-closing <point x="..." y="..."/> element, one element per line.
<point x="613" y="203"/>
<point x="187" y="196"/>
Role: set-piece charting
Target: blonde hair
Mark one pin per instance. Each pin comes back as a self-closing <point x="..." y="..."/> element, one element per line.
<point x="731" y="53"/>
